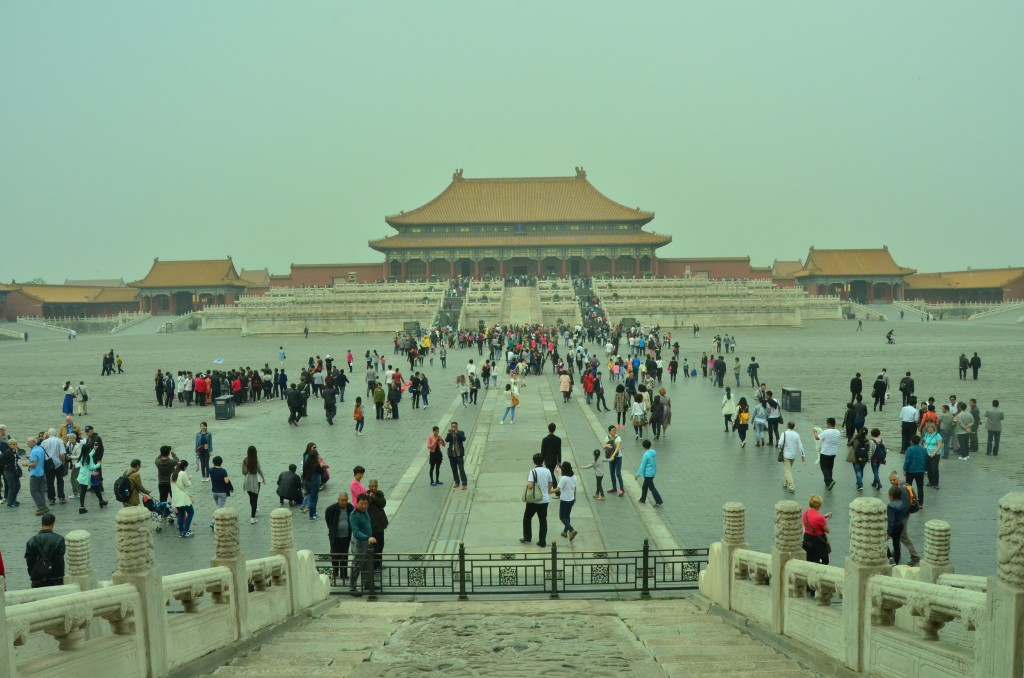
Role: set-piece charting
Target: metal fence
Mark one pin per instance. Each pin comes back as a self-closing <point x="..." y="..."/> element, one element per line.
<point x="547" y="572"/>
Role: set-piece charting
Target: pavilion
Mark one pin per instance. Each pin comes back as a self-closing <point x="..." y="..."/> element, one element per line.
<point x="864" y="275"/>
<point x="176" y="287"/>
<point x="541" y="226"/>
<point x="992" y="285"/>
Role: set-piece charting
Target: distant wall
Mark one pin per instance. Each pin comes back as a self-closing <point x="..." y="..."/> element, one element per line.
<point x="325" y="275"/>
<point x="718" y="268"/>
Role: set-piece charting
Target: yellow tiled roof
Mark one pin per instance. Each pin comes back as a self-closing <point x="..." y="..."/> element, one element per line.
<point x="258" y="277"/>
<point x="514" y="201"/>
<point x="77" y="294"/>
<point x="786" y="269"/>
<point x="988" y="278"/>
<point x="193" y="273"/>
<point x="851" y="262"/>
<point x="406" y="241"/>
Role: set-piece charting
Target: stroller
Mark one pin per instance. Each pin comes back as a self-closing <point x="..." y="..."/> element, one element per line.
<point x="160" y="512"/>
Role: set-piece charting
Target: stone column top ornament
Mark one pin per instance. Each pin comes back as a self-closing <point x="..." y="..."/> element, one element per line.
<point x="134" y="540"/>
<point x="867" y="532"/>
<point x="735" y="521"/>
<point x="1010" y="544"/>
<point x="281" y="530"/>
<point x="79" y="553"/>
<point x="226" y="534"/>
<point x="936" y="542"/>
<point x="788" y="528"/>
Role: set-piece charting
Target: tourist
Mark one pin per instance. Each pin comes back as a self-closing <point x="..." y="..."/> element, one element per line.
<point x="378" y="521"/>
<point x="613" y="453"/>
<point x="53" y="467"/>
<point x="425" y="390"/>
<point x="379" y="398"/>
<point x="647" y="470"/>
<point x="311" y="480"/>
<point x="666" y="411"/>
<point x="932" y="443"/>
<point x="329" y="394"/>
<point x="360" y="543"/>
<point x="878" y="390"/>
<point x="166" y="462"/>
<point x="906" y="387"/>
<point x="859" y="455"/>
<point x="44" y="555"/>
<point x="339" y="533"/>
<point x="289" y="486"/>
<point x="456" y="442"/>
<point x="598" y="466"/>
<point x="181" y="498"/>
<point x="36" y="465"/>
<point x="994" y="427"/>
<point x="434" y="457"/>
<point x="789" y="446"/>
<point x="68" y="403"/>
<point x="220" y="485"/>
<point x="878" y="455"/>
<point x="816" y="531"/>
<point x="138" y="490"/>
<point x="204" y="447"/>
<point x="972" y="407"/>
<point x="752" y="369"/>
<point x="511" y="403"/>
<point x="159" y="385"/>
<point x="252" y="476"/>
<point x="551" y="450"/>
<point x="908" y="422"/>
<point x="856" y="388"/>
<point x="355" y="486"/>
<point x="964" y="424"/>
<point x="742" y="420"/>
<point x="540" y="477"/>
<point x="964" y="363"/>
<point x="638" y="414"/>
<point x="905" y="497"/>
<point x="566" y="492"/>
<point x="294" y="400"/>
<point x="975" y="366"/>
<point x="728" y="408"/>
<point x="915" y="463"/>
<point x="565" y="386"/>
<point x="621" y="405"/>
<point x="736" y="367"/>
<point x="358" y="416"/>
<point x="946" y="428"/>
<point x="657" y="413"/>
<point x="894" y="523"/>
<point x="9" y="459"/>
<point x="773" y="416"/>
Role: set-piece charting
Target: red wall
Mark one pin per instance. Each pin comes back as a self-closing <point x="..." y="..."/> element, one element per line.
<point x="738" y="267"/>
<point x="323" y="275"/>
<point x="19" y="304"/>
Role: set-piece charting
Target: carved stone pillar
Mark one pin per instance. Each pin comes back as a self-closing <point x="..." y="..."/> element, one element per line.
<point x="867" y="558"/>
<point x="228" y="553"/>
<point x="734" y="521"/>
<point x="787" y="546"/>
<point x="936" y="551"/>
<point x="282" y="543"/>
<point x="80" y="571"/>
<point x="1002" y="649"/>
<point x="136" y="566"/>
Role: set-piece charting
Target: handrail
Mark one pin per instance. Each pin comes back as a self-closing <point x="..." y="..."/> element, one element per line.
<point x="968" y="582"/>
<point x="67" y="620"/>
<point x="747" y="564"/>
<point x="22" y="596"/>
<point x="189" y="587"/>
<point x="933" y="604"/>
<point x="825" y="580"/>
<point x="260" y="570"/>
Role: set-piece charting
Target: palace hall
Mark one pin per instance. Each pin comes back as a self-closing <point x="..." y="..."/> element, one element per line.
<point x="540" y="226"/>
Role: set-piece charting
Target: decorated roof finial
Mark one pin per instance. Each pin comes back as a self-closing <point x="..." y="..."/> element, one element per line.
<point x="581" y="173"/>
<point x="457" y="176"/>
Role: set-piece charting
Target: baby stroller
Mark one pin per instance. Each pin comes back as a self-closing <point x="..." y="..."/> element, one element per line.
<point x="160" y="512"/>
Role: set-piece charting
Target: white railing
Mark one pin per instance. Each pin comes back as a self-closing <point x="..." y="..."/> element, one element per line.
<point x="995" y="310"/>
<point x="967" y="582"/>
<point x="23" y="596"/>
<point x="13" y="334"/>
<point x="932" y="605"/>
<point x="66" y="618"/>
<point x="126" y="320"/>
<point x="825" y="580"/>
<point x="862" y="310"/>
<point x="43" y="323"/>
<point x="189" y="587"/>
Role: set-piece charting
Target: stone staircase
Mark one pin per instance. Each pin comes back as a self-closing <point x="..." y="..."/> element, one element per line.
<point x="520" y="305"/>
<point x="512" y="639"/>
<point x="506" y="307"/>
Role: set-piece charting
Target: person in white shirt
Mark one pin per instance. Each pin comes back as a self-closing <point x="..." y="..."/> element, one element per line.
<point x="471" y="368"/>
<point x="790" y="445"/>
<point x="908" y="423"/>
<point x="829" y="438"/>
<point x="56" y="455"/>
<point x="566" y="492"/>
<point x="541" y="477"/>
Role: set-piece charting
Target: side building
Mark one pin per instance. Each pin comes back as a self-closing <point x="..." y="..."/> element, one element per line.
<point x="862" y="275"/>
<point x="177" y="287"/>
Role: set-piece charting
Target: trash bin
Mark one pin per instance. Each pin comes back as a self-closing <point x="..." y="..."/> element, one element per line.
<point x="791" y="398"/>
<point x="224" y="407"/>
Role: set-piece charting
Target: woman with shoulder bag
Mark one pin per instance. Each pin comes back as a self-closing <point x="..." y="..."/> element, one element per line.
<point x="638" y="415"/>
<point x="252" y="476"/>
<point x="816" y="531"/>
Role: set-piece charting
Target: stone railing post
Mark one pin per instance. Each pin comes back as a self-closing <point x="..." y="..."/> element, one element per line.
<point x="8" y="660"/>
<point x="733" y="538"/>
<point x="1001" y="647"/>
<point x="936" y="552"/>
<point x="79" y="570"/>
<point x="867" y="558"/>
<point x="788" y="545"/>
<point x="228" y="553"/>
<point x="136" y="566"/>
<point x="283" y="544"/>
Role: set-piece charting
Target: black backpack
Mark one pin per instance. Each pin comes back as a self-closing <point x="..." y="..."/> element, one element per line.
<point x="862" y="452"/>
<point x="879" y="456"/>
<point x="122" y="489"/>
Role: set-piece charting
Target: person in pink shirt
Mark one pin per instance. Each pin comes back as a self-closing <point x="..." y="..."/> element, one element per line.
<point x="355" y="488"/>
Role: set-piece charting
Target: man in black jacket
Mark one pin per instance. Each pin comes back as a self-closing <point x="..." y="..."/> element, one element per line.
<point x="378" y="521"/>
<point x="44" y="555"/>
<point x="294" y="405"/>
<point x="856" y="387"/>
<point x="551" y="450"/>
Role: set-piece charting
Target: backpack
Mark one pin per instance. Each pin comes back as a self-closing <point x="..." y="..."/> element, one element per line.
<point x="862" y="452"/>
<point x="914" y="508"/>
<point x="879" y="456"/>
<point x="122" y="489"/>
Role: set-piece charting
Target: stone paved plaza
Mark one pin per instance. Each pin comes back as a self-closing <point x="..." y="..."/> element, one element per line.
<point x="699" y="466"/>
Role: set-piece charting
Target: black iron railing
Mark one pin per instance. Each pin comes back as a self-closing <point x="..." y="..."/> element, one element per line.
<point x="549" y="572"/>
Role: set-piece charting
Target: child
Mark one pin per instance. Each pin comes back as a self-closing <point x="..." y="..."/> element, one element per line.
<point x="289" y="486"/>
<point x="686" y="368"/>
<point x="894" y="514"/>
<point x="566" y="492"/>
<point x="598" y="467"/>
<point x="357" y="415"/>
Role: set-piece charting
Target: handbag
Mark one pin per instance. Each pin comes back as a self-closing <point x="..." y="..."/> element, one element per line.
<point x="515" y="401"/>
<point x="782" y="446"/>
<point x="95" y="478"/>
<point x="532" y="495"/>
<point x="822" y="538"/>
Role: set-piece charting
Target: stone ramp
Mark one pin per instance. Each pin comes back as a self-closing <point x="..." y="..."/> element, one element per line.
<point x="521" y="305"/>
<point x="511" y="639"/>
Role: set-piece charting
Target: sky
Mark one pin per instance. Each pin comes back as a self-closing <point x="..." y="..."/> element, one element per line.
<point x="284" y="132"/>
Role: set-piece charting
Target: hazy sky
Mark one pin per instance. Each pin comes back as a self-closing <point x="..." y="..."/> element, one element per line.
<point x="282" y="132"/>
